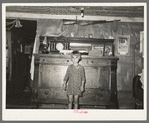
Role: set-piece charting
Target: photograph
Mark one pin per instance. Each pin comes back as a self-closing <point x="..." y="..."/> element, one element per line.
<point x="74" y="61"/>
<point x="123" y="44"/>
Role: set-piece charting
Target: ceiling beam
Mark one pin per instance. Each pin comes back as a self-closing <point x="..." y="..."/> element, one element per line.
<point x="32" y="16"/>
<point x="98" y="8"/>
<point x="57" y="11"/>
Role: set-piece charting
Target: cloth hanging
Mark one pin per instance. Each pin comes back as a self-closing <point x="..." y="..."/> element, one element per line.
<point x="49" y="27"/>
<point x="45" y="28"/>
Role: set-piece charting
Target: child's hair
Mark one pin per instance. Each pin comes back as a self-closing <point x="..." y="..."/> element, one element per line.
<point x="76" y="53"/>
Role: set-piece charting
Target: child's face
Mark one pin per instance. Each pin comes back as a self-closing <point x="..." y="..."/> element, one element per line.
<point x="75" y="59"/>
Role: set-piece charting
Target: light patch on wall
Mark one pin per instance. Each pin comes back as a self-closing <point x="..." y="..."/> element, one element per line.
<point x="119" y="69"/>
<point x="139" y="63"/>
<point x="129" y="76"/>
<point x="119" y="85"/>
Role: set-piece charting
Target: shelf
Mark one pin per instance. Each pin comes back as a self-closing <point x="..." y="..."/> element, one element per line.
<point x="78" y="40"/>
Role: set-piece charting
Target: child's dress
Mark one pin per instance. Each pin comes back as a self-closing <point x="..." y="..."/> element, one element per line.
<point x="74" y="76"/>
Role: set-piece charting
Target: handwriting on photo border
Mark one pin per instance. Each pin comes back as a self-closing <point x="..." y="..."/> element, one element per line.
<point x="80" y="112"/>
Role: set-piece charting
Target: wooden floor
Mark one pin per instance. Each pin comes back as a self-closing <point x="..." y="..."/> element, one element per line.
<point x="20" y="102"/>
<point x="47" y="106"/>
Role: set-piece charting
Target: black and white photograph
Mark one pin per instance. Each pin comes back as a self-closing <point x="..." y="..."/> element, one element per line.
<point x="123" y="44"/>
<point x="74" y="61"/>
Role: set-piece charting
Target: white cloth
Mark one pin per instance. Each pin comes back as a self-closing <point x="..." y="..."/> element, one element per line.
<point x="35" y="51"/>
<point x="142" y="78"/>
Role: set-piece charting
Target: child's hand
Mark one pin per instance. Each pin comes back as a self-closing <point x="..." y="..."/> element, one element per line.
<point x="82" y="88"/>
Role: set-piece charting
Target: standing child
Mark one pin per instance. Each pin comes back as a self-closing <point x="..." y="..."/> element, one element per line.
<point x="75" y="76"/>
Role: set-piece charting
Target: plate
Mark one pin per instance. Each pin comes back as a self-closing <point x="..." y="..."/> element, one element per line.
<point x="59" y="46"/>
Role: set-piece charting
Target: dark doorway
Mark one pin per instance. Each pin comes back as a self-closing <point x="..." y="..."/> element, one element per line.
<point x="22" y="40"/>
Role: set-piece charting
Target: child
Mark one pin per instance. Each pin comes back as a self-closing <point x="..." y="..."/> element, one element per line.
<point x="75" y="76"/>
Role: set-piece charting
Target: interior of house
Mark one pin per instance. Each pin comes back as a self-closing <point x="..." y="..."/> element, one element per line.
<point x="39" y="43"/>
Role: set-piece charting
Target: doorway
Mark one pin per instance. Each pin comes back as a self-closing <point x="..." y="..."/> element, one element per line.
<point x="18" y="76"/>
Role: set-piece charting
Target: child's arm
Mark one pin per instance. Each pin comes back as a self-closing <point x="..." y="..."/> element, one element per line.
<point x="83" y="80"/>
<point x="82" y="86"/>
<point x="64" y="85"/>
<point x="66" y="79"/>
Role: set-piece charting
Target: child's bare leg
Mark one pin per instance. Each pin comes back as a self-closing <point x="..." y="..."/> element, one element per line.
<point x="76" y="100"/>
<point x="70" y="101"/>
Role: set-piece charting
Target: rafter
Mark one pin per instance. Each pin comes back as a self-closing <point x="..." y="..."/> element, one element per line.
<point x="122" y="11"/>
<point x="32" y="16"/>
